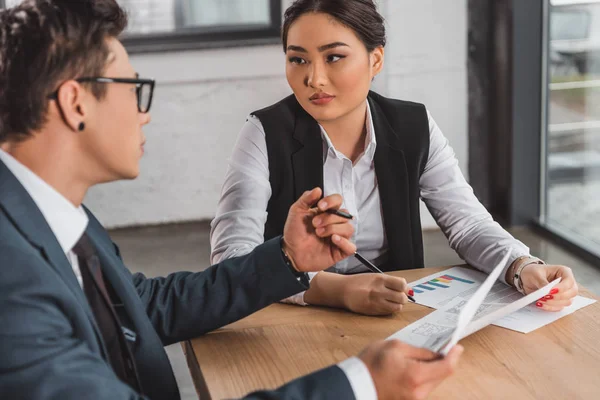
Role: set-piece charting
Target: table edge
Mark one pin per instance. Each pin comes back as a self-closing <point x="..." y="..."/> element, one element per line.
<point x="195" y="370"/>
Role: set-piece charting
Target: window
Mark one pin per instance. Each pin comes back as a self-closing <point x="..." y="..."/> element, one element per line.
<point x="569" y="24"/>
<point x="158" y="25"/>
<point x="572" y="174"/>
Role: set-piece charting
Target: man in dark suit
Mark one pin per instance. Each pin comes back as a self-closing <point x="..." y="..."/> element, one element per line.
<point x="74" y="322"/>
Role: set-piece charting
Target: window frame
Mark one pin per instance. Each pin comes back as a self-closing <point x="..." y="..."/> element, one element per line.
<point x="207" y="37"/>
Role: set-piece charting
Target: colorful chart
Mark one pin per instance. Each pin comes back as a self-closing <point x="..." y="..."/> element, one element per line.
<point x="441" y="282"/>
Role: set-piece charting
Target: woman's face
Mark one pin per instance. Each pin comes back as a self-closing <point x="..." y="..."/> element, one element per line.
<point x="328" y="68"/>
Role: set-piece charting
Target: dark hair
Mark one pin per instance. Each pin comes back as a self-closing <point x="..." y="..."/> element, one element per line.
<point x="359" y="15"/>
<point x="44" y="43"/>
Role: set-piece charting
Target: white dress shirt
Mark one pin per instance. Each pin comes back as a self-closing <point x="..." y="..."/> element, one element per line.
<point x="67" y="222"/>
<point x="241" y="215"/>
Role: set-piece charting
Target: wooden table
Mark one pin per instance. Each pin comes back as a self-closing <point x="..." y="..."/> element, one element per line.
<point x="283" y="342"/>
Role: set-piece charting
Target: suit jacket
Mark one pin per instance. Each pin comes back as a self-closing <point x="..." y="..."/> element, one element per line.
<point x="50" y="345"/>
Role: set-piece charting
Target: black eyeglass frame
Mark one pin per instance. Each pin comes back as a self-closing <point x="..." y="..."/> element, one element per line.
<point x="135" y="81"/>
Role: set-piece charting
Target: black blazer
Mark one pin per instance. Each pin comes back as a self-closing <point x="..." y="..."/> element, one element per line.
<point x="50" y="346"/>
<point x="295" y="152"/>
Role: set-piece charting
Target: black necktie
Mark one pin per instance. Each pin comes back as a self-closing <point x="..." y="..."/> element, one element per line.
<point x="97" y="294"/>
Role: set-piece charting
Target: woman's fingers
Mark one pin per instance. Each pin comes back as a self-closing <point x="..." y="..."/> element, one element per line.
<point x="346" y="247"/>
<point x="395" y="283"/>
<point x="394" y="296"/>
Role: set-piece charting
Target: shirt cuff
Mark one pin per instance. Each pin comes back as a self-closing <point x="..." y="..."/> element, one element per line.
<point x="297" y="299"/>
<point x="360" y="379"/>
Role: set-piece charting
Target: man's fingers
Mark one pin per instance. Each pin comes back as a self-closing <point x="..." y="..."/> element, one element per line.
<point x="345" y="230"/>
<point x="308" y="198"/>
<point x="432" y="371"/>
<point x="417" y="353"/>
<point x="346" y="246"/>
<point x="328" y="219"/>
<point x="333" y="201"/>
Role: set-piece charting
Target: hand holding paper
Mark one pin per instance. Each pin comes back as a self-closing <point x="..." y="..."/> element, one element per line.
<point x="459" y="317"/>
<point x="470" y="308"/>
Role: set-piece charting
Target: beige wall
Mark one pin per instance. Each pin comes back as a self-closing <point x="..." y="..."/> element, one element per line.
<point x="203" y="97"/>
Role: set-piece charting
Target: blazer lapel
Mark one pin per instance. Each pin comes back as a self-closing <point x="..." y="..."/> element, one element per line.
<point x="392" y="177"/>
<point x="28" y="218"/>
<point x="307" y="161"/>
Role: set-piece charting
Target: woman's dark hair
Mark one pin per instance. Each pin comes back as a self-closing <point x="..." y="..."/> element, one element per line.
<point x="359" y="15"/>
<point x="42" y="44"/>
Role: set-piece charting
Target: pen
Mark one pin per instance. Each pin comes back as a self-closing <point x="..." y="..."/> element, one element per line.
<point x="360" y="258"/>
<point x="339" y="213"/>
<point x="373" y="268"/>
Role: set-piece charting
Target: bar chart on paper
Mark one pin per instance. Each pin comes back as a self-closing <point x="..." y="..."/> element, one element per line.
<point x="443" y="282"/>
<point x="437" y="290"/>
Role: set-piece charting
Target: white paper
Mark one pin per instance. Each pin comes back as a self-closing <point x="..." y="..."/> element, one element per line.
<point x="443" y="328"/>
<point x="492" y="314"/>
<point x="531" y="318"/>
<point x="471" y="307"/>
<point x="487" y="303"/>
<point x="467" y="282"/>
<point x="433" y="330"/>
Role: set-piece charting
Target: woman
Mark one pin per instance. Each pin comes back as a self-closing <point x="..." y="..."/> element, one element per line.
<point x="382" y="155"/>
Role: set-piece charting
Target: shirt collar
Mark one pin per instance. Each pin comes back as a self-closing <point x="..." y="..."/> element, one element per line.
<point x="67" y="222"/>
<point x="370" y="141"/>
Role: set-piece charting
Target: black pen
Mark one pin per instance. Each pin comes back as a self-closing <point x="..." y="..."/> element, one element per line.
<point x="360" y="258"/>
<point x="339" y="213"/>
<point x="373" y="268"/>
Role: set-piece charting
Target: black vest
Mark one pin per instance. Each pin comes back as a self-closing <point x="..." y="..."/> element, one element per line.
<point x="295" y="151"/>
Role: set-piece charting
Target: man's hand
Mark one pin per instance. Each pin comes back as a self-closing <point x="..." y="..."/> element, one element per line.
<point x="403" y="372"/>
<point x="375" y="294"/>
<point x="315" y="240"/>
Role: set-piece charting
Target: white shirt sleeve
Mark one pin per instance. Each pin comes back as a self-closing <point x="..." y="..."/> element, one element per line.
<point x="469" y="227"/>
<point x="239" y="223"/>
<point x="360" y="379"/>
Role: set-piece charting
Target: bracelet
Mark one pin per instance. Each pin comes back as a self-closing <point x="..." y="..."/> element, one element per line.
<point x="513" y="269"/>
<point x="519" y="265"/>
<point x="302" y="277"/>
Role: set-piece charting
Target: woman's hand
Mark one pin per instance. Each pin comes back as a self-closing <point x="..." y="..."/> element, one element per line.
<point x="375" y="294"/>
<point x="535" y="276"/>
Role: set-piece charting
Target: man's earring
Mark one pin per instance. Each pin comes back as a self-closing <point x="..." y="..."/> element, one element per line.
<point x="81" y="126"/>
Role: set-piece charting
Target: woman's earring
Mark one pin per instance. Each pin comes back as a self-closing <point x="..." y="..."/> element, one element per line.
<point x="81" y="126"/>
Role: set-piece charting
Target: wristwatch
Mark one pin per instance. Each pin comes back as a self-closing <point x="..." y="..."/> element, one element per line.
<point x="302" y="277"/>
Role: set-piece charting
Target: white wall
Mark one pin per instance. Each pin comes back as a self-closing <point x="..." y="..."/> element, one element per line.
<point x="203" y="97"/>
<point x="426" y="62"/>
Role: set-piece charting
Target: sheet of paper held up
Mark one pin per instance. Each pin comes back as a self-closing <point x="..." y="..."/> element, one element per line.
<point x="438" y="290"/>
<point x="458" y="322"/>
<point x="458" y="317"/>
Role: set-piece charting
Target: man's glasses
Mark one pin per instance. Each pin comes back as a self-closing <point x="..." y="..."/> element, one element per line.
<point x="144" y="89"/>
